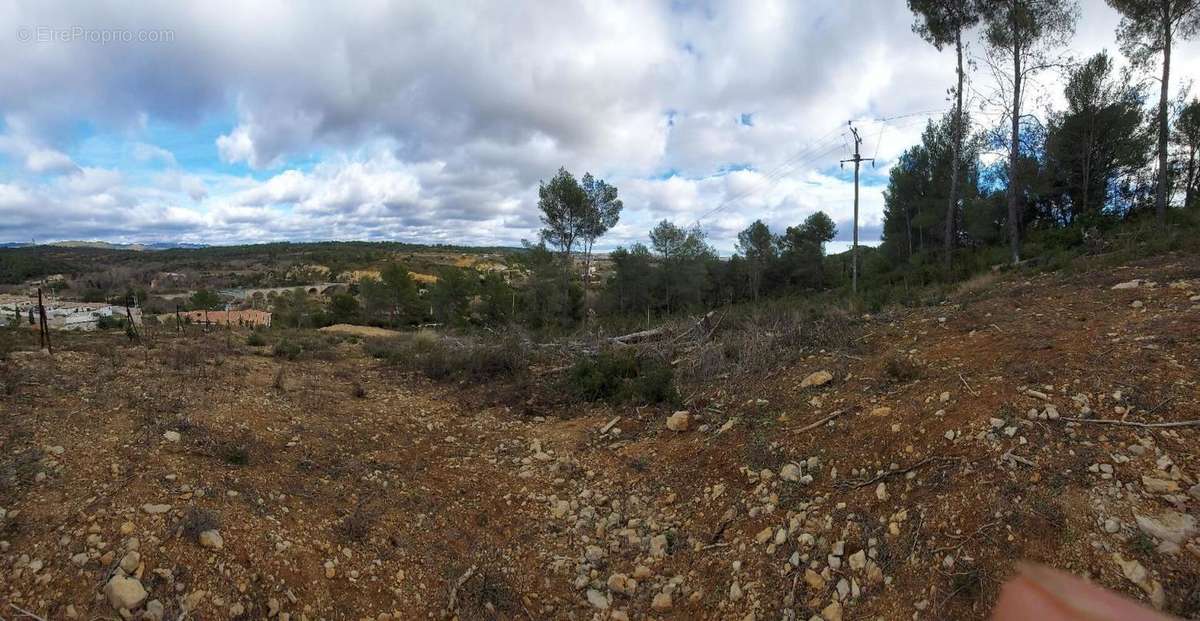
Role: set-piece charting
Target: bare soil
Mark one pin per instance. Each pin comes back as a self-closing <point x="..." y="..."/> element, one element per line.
<point x="344" y="489"/>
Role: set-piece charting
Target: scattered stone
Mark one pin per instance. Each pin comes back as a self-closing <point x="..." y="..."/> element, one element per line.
<point x="858" y="560"/>
<point x="832" y="612"/>
<point x="735" y="591"/>
<point x="1159" y="486"/>
<point x="658" y="546"/>
<point x="153" y="509"/>
<point x="620" y="583"/>
<point x="661" y="602"/>
<point x="130" y="562"/>
<point x="818" y="378"/>
<point x="790" y="472"/>
<point x="124" y="592"/>
<point x="1111" y="526"/>
<point x="881" y="491"/>
<point x="597" y="599"/>
<point x="154" y="611"/>
<point x="211" y="539"/>
<point x="881" y="411"/>
<point x="1137" y="574"/>
<point x="1170" y="526"/>
<point x="1131" y="284"/>
<point x="678" y="421"/>
<point x="172" y="436"/>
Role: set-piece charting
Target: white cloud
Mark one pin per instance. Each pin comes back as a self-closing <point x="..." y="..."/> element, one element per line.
<point x="435" y="121"/>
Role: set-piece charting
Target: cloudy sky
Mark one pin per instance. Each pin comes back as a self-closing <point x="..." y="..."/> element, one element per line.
<point x="224" y="122"/>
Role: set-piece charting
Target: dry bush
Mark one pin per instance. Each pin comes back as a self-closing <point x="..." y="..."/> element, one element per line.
<point x="197" y="520"/>
<point x="11" y="376"/>
<point x="764" y="340"/>
<point x="356" y="526"/>
<point x="280" y="381"/>
<point x="977" y="284"/>
<point x="18" y="469"/>
<point x="902" y="369"/>
<point x="441" y="358"/>
<point x="487" y="593"/>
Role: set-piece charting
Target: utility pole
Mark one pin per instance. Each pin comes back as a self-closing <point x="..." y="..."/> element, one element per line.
<point x="857" y="159"/>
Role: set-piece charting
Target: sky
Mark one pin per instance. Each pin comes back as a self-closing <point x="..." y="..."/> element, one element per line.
<point x="433" y="122"/>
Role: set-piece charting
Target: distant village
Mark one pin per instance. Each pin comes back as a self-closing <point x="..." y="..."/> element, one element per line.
<point x="167" y="296"/>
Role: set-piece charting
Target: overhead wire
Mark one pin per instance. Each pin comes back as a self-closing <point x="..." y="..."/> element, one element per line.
<point x="777" y="173"/>
<point x="819" y="148"/>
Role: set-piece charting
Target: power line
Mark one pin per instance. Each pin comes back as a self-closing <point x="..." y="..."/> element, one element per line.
<point x="769" y="178"/>
<point x="771" y="182"/>
<point x="816" y="150"/>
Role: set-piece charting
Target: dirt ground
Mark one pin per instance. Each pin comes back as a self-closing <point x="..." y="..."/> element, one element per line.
<point x="344" y="489"/>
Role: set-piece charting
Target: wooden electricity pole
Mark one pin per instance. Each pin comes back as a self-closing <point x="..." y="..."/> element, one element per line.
<point x="857" y="159"/>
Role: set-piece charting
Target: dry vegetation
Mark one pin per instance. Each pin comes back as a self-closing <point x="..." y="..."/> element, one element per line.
<point x="424" y="475"/>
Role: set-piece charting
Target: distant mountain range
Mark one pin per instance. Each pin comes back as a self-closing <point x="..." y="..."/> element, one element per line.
<point x="106" y="245"/>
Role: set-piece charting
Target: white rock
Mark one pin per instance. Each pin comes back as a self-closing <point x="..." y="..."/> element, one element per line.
<point x="154" y="611"/>
<point x="124" y="592"/>
<point x="171" y="436"/>
<point x="662" y="602"/>
<point x="858" y="560"/>
<point x="211" y="539"/>
<point x="881" y="491"/>
<point x="130" y="562"/>
<point x="658" y="546"/>
<point x="597" y="599"/>
<point x="153" y="509"/>
<point x="1170" y="526"/>
<point x="790" y="472"/>
<point x="818" y="378"/>
<point x="678" y="421"/>
<point x="1137" y="574"/>
<point x="620" y="583"/>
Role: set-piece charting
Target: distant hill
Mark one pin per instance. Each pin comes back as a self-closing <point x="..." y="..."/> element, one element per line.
<point x="20" y="262"/>
<point x="105" y="245"/>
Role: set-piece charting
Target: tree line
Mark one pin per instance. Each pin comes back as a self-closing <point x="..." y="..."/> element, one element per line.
<point x="1102" y="159"/>
<point x="967" y="194"/>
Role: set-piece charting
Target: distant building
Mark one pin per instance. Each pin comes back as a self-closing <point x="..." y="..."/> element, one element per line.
<point x="86" y="317"/>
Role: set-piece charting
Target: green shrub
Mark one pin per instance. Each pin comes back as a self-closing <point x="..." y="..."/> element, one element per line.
<point x="289" y="349"/>
<point x="256" y="339"/>
<point x="622" y="376"/>
<point x="440" y="359"/>
<point x="109" y="322"/>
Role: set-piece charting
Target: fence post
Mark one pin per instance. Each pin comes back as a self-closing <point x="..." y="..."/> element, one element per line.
<point x="45" y="324"/>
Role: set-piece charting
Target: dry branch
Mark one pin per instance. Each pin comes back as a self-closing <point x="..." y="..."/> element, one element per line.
<point x="893" y="473"/>
<point x="1129" y="423"/>
<point x="821" y="421"/>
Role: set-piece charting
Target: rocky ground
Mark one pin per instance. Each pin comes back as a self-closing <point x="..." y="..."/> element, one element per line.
<point x="899" y="478"/>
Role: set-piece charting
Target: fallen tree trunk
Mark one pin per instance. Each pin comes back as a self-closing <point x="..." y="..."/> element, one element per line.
<point x="638" y="337"/>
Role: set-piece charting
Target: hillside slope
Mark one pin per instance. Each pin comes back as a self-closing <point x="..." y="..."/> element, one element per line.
<point x="342" y="489"/>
